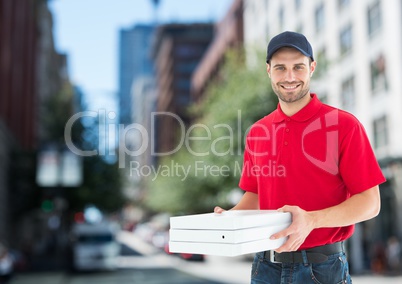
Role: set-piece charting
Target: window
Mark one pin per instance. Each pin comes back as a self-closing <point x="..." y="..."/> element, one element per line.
<point x="281" y="17"/>
<point x="266" y="5"/>
<point x="380" y="132"/>
<point x="319" y="18"/>
<point x="188" y="50"/>
<point x="322" y="61"/>
<point x="182" y="84"/>
<point x="348" y="93"/>
<point x="342" y="4"/>
<point x="187" y="66"/>
<point x="374" y="18"/>
<point x="378" y="75"/>
<point x="95" y="238"/>
<point x="183" y="99"/>
<point x="299" y="28"/>
<point x="346" y="40"/>
<point x="298" y="4"/>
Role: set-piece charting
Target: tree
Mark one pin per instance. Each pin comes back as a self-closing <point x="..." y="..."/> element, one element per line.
<point x="213" y="154"/>
<point x="101" y="187"/>
<point x="102" y="181"/>
<point x="102" y="184"/>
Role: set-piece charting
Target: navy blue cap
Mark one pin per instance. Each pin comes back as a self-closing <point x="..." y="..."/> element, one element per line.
<point x="289" y="39"/>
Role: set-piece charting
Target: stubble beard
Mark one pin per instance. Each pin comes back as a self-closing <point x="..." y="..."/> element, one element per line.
<point x="291" y="97"/>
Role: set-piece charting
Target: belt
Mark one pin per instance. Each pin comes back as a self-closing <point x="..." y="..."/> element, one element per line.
<point x="313" y="255"/>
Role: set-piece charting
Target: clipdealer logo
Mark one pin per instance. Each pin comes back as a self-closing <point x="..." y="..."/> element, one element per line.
<point x="136" y="139"/>
<point x="144" y="141"/>
<point x="331" y="162"/>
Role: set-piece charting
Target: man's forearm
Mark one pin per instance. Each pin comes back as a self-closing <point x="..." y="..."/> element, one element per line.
<point x="360" y="207"/>
<point x="249" y="201"/>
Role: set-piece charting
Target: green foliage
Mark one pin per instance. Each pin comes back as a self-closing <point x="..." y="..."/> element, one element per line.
<point x="102" y="182"/>
<point x="55" y="113"/>
<point x="101" y="186"/>
<point x="213" y="156"/>
<point x="101" y="179"/>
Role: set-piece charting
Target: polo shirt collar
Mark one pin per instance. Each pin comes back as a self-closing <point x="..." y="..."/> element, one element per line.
<point x="304" y="114"/>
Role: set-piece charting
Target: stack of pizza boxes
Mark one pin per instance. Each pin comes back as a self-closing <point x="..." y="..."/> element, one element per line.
<point x="231" y="233"/>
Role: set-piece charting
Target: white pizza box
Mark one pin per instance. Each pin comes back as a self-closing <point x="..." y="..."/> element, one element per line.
<point x="231" y="233"/>
<point x="231" y="220"/>
<point x="225" y="236"/>
<point x="222" y="249"/>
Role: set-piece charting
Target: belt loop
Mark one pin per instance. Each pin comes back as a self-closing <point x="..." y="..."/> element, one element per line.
<point x="304" y="256"/>
<point x="272" y="256"/>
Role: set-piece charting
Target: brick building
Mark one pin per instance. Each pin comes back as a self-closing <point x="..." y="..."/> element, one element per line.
<point x="30" y="71"/>
<point x="228" y="34"/>
<point x="177" y="50"/>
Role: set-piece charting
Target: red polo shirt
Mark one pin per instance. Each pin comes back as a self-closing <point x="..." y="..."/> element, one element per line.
<point x="315" y="159"/>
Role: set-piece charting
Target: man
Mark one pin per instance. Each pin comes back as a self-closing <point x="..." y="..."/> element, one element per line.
<point x="322" y="170"/>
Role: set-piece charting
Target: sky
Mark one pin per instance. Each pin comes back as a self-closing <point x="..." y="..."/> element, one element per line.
<point x="87" y="31"/>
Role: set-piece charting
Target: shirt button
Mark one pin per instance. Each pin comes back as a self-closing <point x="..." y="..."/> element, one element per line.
<point x="287" y="130"/>
<point x="287" y="119"/>
<point x="286" y="143"/>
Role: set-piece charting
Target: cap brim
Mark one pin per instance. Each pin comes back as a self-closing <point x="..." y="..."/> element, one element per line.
<point x="275" y="49"/>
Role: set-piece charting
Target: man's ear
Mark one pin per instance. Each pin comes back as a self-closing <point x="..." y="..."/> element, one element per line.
<point x="312" y="68"/>
<point x="269" y="70"/>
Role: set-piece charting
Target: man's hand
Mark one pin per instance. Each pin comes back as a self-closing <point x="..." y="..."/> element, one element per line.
<point x="301" y="226"/>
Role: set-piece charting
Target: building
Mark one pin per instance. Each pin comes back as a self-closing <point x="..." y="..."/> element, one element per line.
<point x="31" y="71"/>
<point x="17" y="65"/>
<point x="357" y="46"/>
<point x="134" y="62"/>
<point x="177" y="51"/>
<point x="18" y="123"/>
<point x="228" y="35"/>
<point x="135" y="67"/>
<point x="144" y="94"/>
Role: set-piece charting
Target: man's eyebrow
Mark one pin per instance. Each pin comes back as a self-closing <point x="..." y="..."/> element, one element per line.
<point x="296" y="64"/>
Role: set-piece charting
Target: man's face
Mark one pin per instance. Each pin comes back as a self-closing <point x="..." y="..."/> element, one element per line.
<point x="290" y="73"/>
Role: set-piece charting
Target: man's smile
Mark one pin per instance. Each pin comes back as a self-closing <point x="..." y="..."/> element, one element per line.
<point x="290" y="87"/>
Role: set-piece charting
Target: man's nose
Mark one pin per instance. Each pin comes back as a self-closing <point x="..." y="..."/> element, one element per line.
<point x="289" y="76"/>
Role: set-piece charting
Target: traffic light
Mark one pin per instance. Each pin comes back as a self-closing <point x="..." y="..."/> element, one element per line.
<point x="47" y="205"/>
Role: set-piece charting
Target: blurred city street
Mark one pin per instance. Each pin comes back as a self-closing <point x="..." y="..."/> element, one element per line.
<point x="116" y="116"/>
<point x="150" y="265"/>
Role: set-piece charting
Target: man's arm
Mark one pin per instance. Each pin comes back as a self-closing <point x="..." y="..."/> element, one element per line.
<point x="360" y="207"/>
<point x="249" y="201"/>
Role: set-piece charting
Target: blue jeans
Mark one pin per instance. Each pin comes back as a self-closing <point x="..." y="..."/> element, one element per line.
<point x="333" y="271"/>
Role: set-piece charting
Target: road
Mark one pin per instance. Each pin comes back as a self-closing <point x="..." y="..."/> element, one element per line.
<point x="155" y="267"/>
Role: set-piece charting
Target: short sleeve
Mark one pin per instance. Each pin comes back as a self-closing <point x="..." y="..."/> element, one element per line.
<point x="358" y="165"/>
<point x="248" y="180"/>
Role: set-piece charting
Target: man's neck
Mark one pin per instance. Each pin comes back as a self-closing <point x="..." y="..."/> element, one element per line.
<point x="292" y="108"/>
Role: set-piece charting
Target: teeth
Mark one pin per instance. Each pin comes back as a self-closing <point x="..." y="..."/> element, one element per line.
<point x="290" y="87"/>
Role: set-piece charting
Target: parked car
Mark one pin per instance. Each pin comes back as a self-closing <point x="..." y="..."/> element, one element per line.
<point x="94" y="246"/>
<point x="6" y="264"/>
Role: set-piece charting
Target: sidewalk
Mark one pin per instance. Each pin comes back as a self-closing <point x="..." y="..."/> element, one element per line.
<point x="375" y="279"/>
<point x="231" y="270"/>
<point x="42" y="278"/>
